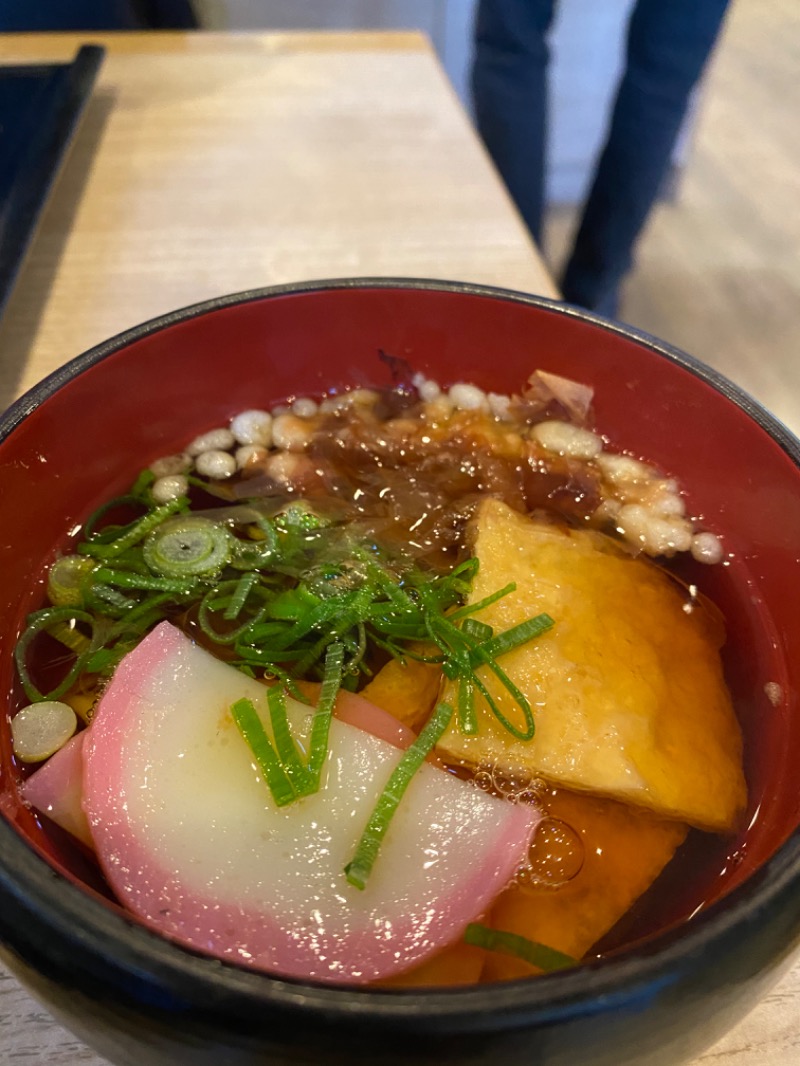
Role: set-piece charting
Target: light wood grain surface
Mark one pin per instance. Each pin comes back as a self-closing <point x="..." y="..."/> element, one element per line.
<point x="211" y="163"/>
<point x="215" y="163"/>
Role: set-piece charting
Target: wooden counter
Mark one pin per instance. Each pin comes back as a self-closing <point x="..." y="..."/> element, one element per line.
<point x="213" y="163"/>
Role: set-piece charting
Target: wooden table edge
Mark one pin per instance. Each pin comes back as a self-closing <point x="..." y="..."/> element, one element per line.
<point x="22" y="47"/>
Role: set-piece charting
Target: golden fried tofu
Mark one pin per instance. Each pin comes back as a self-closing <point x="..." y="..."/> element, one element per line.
<point x="407" y="689"/>
<point x="621" y="851"/>
<point x="458" y="964"/>
<point x="627" y="687"/>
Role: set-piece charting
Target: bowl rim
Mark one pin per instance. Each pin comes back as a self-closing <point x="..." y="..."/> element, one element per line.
<point x="25" y="404"/>
<point x="88" y="926"/>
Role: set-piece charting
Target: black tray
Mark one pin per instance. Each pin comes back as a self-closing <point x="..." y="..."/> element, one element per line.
<point x="40" y="106"/>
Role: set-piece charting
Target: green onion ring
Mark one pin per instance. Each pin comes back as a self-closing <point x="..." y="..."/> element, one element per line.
<point x="188" y="546"/>
<point x="39" y="622"/>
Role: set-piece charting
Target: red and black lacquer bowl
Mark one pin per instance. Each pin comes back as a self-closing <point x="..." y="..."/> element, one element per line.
<point x="78" y="438"/>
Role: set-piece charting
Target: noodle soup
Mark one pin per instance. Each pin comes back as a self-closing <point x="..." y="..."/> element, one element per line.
<point x="475" y="580"/>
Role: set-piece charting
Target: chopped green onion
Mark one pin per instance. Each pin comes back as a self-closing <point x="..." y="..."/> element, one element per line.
<point x="530" y="726"/>
<point x="253" y="640"/>
<point x="136" y="532"/>
<point x="467" y="719"/>
<point x="518" y="634"/>
<point x="387" y="584"/>
<point x="321" y="723"/>
<point x="131" y="561"/>
<point x="253" y="555"/>
<point x="479" y="631"/>
<point x="530" y="951"/>
<point x="107" y="600"/>
<point x="188" y="546"/>
<point x="287" y="777"/>
<point x="352" y="607"/>
<point x="40" y="730"/>
<point x="67" y="579"/>
<point x="360" y="650"/>
<point x="284" y="743"/>
<point x="141" y="617"/>
<point x="290" y="685"/>
<point x="110" y="532"/>
<point x="249" y="724"/>
<point x="297" y="518"/>
<point x="487" y="601"/>
<point x="140" y="489"/>
<point x="69" y="636"/>
<point x="326" y="613"/>
<point x="125" y="580"/>
<point x="477" y="653"/>
<point x="359" y="868"/>
<point x="220" y="598"/>
<point x="43" y="622"/>
<point x="239" y="597"/>
<point x="104" y="660"/>
<point x="292" y="605"/>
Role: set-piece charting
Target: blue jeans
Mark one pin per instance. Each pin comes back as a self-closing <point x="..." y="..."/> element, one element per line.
<point x="668" y="44"/>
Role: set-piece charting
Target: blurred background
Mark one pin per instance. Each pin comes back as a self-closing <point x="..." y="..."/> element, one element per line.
<point x="718" y="267"/>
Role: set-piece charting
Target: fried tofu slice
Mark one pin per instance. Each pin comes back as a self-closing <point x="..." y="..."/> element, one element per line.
<point x="407" y="689"/>
<point x="627" y="687"/>
<point x="459" y="964"/>
<point x="620" y="853"/>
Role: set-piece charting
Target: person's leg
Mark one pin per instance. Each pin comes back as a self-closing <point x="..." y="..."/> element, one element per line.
<point x="509" y="88"/>
<point x="668" y="44"/>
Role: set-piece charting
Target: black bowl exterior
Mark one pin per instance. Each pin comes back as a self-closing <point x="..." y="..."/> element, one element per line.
<point x="660" y="1005"/>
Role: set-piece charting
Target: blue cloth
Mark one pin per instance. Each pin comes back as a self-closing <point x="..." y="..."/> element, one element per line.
<point x="668" y="43"/>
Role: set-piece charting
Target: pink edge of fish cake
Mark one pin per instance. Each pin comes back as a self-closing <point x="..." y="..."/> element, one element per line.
<point x="168" y="856"/>
<point x="55" y="789"/>
<point x="362" y="714"/>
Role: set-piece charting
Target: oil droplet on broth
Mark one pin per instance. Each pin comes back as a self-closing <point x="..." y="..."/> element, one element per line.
<point x="483" y="779"/>
<point x="555" y="856"/>
<point x="514" y="783"/>
<point x="557" y="852"/>
<point x="510" y="781"/>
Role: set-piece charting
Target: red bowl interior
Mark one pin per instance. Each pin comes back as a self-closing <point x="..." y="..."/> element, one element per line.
<point x="146" y="397"/>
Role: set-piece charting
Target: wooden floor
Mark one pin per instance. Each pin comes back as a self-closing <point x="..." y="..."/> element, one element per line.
<point x="718" y="269"/>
